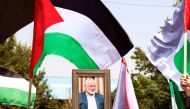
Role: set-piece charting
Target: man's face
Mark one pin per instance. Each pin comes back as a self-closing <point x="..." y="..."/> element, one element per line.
<point x="91" y="87"/>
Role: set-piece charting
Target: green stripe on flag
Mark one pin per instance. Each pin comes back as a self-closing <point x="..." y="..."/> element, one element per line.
<point x="179" y="61"/>
<point x="15" y="97"/>
<point x="176" y="93"/>
<point x="171" y="88"/>
<point x="67" y="47"/>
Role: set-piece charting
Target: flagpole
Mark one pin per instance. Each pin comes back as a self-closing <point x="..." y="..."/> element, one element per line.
<point x="185" y="54"/>
<point x="29" y="92"/>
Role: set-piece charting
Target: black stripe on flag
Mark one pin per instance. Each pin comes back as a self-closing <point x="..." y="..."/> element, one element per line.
<point x="14" y="14"/>
<point x="99" y="14"/>
<point x="8" y="73"/>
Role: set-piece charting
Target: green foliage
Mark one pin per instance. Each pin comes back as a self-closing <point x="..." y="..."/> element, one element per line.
<point x="16" y="57"/>
<point x="143" y="65"/>
<point x="176" y="3"/>
<point x="7" y="51"/>
<point x="113" y="96"/>
<point x="44" y="99"/>
<point x="151" y="89"/>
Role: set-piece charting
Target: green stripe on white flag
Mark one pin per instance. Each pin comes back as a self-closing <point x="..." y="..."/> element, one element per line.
<point x="14" y="91"/>
<point x="178" y="58"/>
<point x="67" y="47"/>
<point x="164" y="49"/>
<point x="176" y="99"/>
<point x="89" y="25"/>
<point x="80" y="41"/>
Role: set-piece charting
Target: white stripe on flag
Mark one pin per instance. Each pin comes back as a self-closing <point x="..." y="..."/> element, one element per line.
<point x="16" y="83"/>
<point x="83" y="29"/>
<point x="163" y="46"/>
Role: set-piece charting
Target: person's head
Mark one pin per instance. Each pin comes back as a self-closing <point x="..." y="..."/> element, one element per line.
<point x="90" y="86"/>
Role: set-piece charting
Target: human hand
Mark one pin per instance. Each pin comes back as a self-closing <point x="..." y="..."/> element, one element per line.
<point x="188" y="81"/>
<point x="185" y="82"/>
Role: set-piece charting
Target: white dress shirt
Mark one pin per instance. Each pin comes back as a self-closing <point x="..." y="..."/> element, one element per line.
<point x="91" y="101"/>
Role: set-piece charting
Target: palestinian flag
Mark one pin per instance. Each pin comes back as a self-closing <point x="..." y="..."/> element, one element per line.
<point x="83" y="32"/>
<point x="166" y="52"/>
<point x="166" y="49"/>
<point x="14" y="89"/>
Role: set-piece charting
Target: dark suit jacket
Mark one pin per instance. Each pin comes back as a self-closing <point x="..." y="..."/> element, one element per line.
<point x="83" y="103"/>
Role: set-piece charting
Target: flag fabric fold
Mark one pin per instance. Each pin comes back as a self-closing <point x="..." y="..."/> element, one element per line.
<point x="163" y="49"/>
<point x="125" y="97"/>
<point x="77" y="34"/>
<point x="14" y="89"/>
<point x="166" y="52"/>
<point x="45" y="16"/>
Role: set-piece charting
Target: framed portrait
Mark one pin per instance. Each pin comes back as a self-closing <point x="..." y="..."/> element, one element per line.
<point x="91" y="88"/>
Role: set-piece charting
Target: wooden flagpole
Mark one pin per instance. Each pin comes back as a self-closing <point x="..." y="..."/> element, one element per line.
<point x="185" y="55"/>
<point x="29" y="93"/>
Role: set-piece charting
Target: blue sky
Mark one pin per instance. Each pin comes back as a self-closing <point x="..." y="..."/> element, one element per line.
<point x="141" y="19"/>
